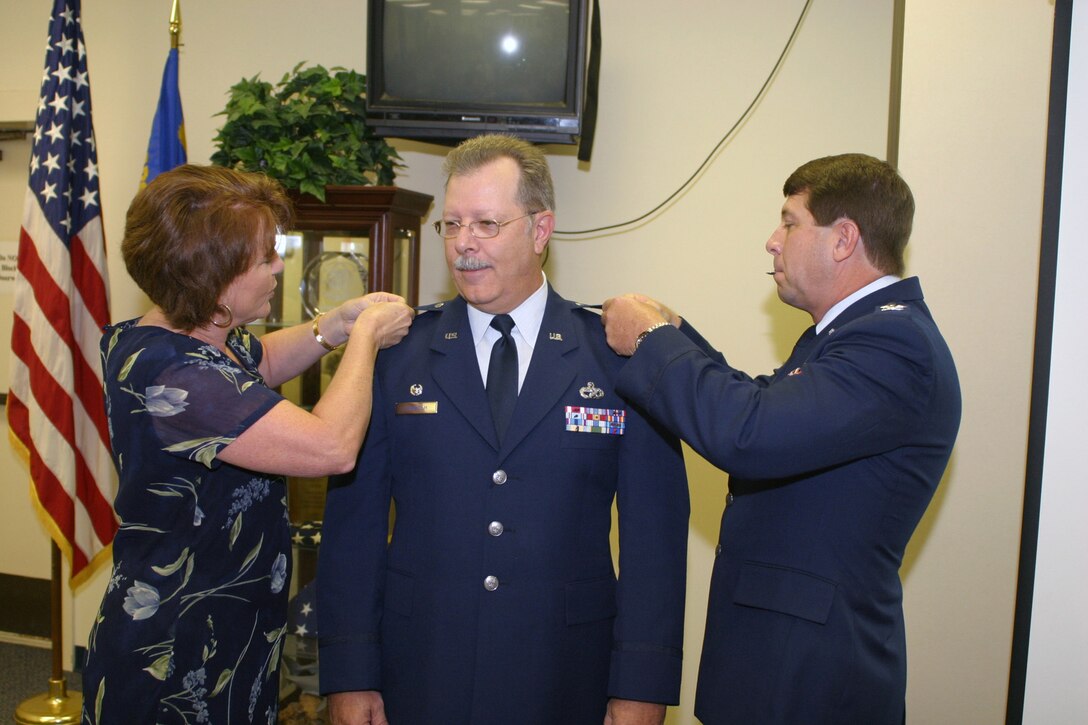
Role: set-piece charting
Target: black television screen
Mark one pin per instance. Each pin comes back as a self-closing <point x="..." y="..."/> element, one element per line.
<point x="449" y="69"/>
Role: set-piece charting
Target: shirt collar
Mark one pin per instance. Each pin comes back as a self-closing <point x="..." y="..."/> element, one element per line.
<point x="841" y="305"/>
<point x="528" y="316"/>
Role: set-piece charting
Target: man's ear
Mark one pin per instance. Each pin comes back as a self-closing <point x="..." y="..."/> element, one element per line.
<point x="543" y="226"/>
<point x="848" y="239"/>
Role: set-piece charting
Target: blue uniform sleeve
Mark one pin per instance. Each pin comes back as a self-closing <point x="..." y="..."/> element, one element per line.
<point x="653" y="507"/>
<point x="351" y="565"/>
<point x="851" y="399"/>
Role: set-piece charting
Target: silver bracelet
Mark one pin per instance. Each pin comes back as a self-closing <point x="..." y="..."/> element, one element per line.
<point x="645" y="333"/>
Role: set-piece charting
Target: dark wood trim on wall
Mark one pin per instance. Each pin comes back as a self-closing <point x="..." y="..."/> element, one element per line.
<point x="24" y="606"/>
<point x="895" y="87"/>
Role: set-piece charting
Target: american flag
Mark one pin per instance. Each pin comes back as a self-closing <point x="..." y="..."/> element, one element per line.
<point x="55" y="407"/>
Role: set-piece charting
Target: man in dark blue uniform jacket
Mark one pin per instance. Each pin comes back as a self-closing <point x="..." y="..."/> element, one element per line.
<point x="495" y="600"/>
<point x="832" y="459"/>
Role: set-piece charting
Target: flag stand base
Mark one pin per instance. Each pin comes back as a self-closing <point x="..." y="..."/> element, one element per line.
<point x="56" y="706"/>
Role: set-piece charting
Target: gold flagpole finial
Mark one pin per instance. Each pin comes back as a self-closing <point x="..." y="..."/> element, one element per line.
<point x="175" y="23"/>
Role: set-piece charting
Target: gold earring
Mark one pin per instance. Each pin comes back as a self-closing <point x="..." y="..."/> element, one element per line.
<point x="230" y="316"/>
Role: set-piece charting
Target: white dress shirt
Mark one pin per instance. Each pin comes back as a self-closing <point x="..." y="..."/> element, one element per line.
<point x="528" y="317"/>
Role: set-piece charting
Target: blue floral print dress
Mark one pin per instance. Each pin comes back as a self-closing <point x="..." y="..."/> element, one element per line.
<point x="195" y="612"/>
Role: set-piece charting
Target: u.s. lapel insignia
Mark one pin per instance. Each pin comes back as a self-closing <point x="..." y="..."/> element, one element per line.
<point x="555" y="336"/>
<point x="451" y="335"/>
<point x="416" y="390"/>
<point x="590" y="391"/>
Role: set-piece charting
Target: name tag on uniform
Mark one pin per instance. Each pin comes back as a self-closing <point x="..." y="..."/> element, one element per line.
<point x="417" y="408"/>
<point x="595" y="420"/>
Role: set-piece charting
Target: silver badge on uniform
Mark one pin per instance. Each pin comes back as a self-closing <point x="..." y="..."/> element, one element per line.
<point x="416" y="389"/>
<point x="555" y="336"/>
<point x="590" y="391"/>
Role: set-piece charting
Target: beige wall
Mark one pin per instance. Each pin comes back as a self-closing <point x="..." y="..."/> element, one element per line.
<point x="675" y="78"/>
<point x="973" y="140"/>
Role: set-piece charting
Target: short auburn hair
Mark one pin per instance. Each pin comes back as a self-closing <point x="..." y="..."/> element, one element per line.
<point x="193" y="230"/>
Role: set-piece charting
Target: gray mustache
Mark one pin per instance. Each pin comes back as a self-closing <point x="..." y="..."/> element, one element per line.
<point x="469" y="264"/>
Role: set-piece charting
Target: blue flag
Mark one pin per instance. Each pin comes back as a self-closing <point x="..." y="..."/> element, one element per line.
<point x="167" y="146"/>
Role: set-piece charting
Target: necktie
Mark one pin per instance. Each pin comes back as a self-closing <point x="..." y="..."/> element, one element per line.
<point x="502" y="374"/>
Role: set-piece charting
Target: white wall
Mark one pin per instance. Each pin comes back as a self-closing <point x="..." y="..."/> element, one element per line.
<point x="675" y="76"/>
<point x="1058" y="651"/>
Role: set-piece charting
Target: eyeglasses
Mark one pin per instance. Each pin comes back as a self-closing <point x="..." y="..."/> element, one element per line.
<point x="482" y="229"/>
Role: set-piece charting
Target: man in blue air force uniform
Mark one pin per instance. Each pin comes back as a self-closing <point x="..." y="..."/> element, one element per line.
<point x="495" y="600"/>
<point x="832" y="459"/>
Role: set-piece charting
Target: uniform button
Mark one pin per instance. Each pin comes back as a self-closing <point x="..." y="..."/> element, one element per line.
<point x="718" y="550"/>
<point x="495" y="528"/>
<point x="499" y="477"/>
<point x="729" y="498"/>
<point x="491" y="583"/>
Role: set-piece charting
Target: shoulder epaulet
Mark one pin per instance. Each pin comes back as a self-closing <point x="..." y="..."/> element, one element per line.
<point x="433" y="307"/>
<point x="595" y="309"/>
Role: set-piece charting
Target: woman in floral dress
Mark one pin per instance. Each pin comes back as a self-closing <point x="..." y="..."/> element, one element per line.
<point x="194" y="616"/>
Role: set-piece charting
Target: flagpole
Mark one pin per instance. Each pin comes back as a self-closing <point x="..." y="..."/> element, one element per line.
<point x="175" y="24"/>
<point x="57" y="706"/>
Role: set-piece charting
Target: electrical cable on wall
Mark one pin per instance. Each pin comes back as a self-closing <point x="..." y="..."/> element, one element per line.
<point x="728" y="134"/>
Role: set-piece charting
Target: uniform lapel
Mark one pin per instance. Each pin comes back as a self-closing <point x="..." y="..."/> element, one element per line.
<point x="456" y="371"/>
<point x="799" y="354"/>
<point x="550" y="371"/>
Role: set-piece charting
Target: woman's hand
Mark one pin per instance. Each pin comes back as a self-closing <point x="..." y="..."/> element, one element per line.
<point x="337" y="324"/>
<point x="388" y="322"/>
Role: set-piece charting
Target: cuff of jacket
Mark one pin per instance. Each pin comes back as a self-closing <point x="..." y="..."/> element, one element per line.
<point x="649" y="674"/>
<point x="348" y="665"/>
<point x="640" y="375"/>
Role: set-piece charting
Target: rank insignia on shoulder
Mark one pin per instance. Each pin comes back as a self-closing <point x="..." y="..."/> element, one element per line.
<point x="595" y="420"/>
<point x="894" y="307"/>
<point x="427" y="308"/>
<point x="590" y="391"/>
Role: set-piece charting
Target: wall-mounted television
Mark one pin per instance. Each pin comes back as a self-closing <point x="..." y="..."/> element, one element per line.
<point x="445" y="70"/>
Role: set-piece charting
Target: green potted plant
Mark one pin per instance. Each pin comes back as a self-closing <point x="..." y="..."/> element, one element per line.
<point x="307" y="131"/>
